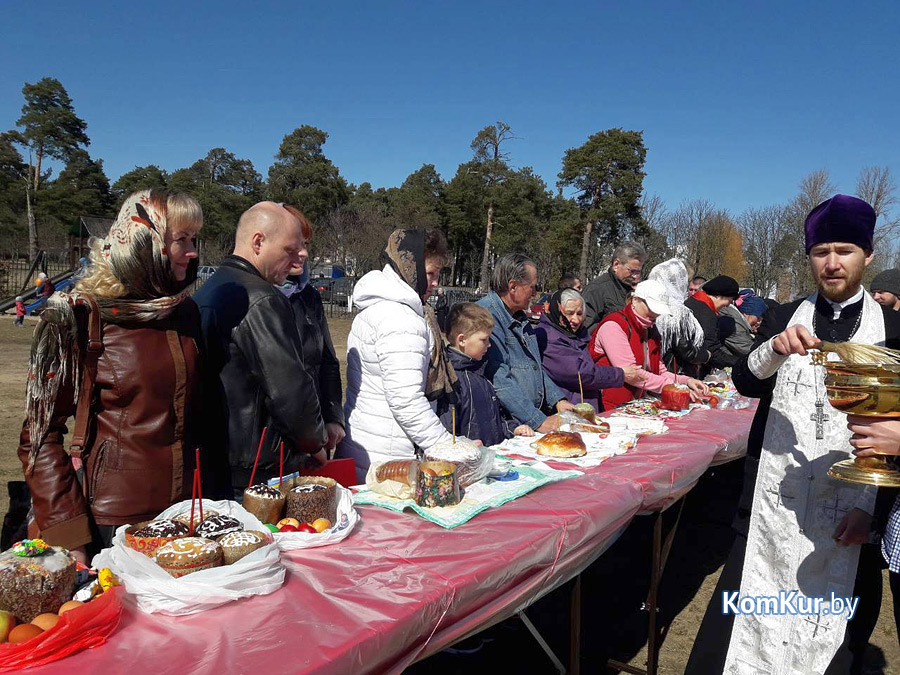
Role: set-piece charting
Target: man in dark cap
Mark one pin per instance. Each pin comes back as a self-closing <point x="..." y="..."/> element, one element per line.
<point x="806" y="529"/>
<point x="706" y="304"/>
<point x="739" y="322"/>
<point x="885" y="289"/>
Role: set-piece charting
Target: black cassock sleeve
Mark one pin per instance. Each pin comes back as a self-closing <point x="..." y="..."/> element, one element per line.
<point x="774" y="321"/>
<point x="891" y="328"/>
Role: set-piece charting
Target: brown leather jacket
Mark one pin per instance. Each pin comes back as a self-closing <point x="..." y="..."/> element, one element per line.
<point x="139" y="450"/>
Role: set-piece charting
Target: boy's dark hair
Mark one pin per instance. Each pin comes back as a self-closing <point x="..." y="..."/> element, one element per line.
<point x="435" y="245"/>
<point x="467" y="318"/>
<point x="566" y="281"/>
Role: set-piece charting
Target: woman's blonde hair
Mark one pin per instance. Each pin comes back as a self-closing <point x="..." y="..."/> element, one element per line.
<point x="180" y="210"/>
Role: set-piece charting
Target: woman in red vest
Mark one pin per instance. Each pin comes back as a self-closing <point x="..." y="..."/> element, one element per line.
<point x="629" y="337"/>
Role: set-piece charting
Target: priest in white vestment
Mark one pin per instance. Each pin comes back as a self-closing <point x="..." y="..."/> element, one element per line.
<point x="806" y="528"/>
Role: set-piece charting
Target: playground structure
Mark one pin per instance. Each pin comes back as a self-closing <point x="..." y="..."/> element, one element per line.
<point x="29" y="290"/>
<point x="18" y="277"/>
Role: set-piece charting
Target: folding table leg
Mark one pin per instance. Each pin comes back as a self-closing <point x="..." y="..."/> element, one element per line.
<point x="560" y="668"/>
<point x="658" y="558"/>
<point x="575" y="628"/>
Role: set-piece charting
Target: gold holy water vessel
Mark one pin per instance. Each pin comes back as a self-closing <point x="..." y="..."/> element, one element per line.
<point x="868" y="390"/>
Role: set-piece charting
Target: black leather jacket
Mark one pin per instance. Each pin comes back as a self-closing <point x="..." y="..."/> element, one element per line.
<point x="253" y="375"/>
<point x="319" y="356"/>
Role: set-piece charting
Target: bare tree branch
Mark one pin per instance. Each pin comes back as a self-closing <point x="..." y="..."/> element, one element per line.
<point x="876" y="186"/>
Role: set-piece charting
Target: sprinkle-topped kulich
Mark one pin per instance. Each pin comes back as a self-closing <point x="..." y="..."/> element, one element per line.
<point x="189" y="554"/>
<point x="29" y="548"/>
<point x="36" y="584"/>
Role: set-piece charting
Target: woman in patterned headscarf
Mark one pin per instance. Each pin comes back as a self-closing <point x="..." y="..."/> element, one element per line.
<point x="119" y="354"/>
<point x="392" y="374"/>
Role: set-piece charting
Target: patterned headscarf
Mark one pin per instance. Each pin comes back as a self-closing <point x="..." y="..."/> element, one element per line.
<point x="559" y="319"/>
<point x="135" y="251"/>
<point x="405" y="252"/>
<point x="679" y="324"/>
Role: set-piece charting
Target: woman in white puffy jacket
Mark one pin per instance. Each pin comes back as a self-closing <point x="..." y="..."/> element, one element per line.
<point x="388" y="355"/>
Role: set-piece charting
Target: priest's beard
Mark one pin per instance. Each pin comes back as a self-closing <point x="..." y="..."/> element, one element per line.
<point x="838" y="290"/>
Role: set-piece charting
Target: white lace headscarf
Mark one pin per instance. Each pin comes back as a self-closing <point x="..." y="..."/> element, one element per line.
<point x="679" y="324"/>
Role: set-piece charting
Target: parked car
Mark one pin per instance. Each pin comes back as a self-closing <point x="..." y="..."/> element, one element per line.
<point x="540" y="307"/>
<point x="325" y="286"/>
<point x="341" y="288"/>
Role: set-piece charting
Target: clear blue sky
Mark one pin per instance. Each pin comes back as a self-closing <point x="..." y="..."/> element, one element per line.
<point x="737" y="100"/>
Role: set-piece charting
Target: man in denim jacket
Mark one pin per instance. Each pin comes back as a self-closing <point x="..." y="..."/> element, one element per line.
<point x="526" y="392"/>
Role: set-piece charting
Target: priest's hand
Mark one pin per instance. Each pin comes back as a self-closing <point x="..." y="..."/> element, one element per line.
<point x="563" y="405"/>
<point x="874" y="435"/>
<point x="853" y="529"/>
<point x="795" y="340"/>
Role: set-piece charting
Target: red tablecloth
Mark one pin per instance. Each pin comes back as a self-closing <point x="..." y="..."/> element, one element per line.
<point x="401" y="588"/>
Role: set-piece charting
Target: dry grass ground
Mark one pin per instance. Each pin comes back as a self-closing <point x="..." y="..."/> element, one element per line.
<point x="14" y="346"/>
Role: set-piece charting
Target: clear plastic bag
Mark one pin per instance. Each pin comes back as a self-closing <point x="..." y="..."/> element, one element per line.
<point x="403" y="488"/>
<point x="737" y="402"/>
<point x="569" y="421"/>
<point x="718" y="375"/>
<point x="473" y="463"/>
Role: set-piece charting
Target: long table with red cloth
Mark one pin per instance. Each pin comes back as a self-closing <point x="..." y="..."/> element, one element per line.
<point x="400" y="588"/>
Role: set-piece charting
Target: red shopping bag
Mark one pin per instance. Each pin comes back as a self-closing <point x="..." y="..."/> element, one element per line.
<point x="341" y="470"/>
<point x="85" y="627"/>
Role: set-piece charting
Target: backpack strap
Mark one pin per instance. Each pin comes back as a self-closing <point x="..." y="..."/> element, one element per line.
<point x="88" y="376"/>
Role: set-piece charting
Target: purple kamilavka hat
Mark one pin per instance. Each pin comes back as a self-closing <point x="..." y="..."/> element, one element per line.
<point x="841" y="218"/>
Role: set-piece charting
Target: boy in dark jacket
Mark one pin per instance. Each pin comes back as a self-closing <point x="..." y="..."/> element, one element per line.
<point x="477" y="408"/>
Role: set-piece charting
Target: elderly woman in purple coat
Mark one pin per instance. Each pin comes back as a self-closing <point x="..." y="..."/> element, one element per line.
<point x="563" y="340"/>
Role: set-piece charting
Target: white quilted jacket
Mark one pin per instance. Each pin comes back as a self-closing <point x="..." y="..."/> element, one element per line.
<point x="388" y="352"/>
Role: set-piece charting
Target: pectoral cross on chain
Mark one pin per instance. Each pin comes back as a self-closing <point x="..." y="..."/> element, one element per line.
<point x="819" y="417"/>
